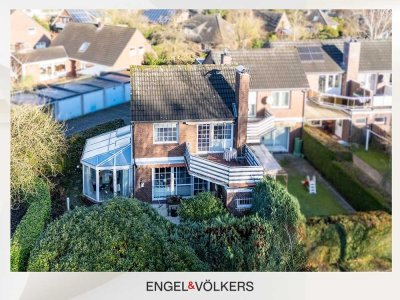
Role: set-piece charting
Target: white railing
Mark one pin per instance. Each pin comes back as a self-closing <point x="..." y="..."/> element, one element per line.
<point x="223" y="174"/>
<point x="384" y="99"/>
<point x="340" y="102"/>
<point x="258" y="127"/>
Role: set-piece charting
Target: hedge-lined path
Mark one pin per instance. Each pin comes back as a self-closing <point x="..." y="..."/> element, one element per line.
<point x="122" y="111"/>
<point x="302" y="167"/>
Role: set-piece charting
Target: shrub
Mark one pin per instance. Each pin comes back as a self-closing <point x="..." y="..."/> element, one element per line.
<point x="358" y="242"/>
<point x="332" y="162"/>
<point x="37" y="146"/>
<point x="31" y="226"/>
<point x="118" y="235"/>
<point x="203" y="206"/>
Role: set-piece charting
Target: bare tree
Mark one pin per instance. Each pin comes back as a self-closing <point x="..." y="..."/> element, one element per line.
<point x="298" y="24"/>
<point x="377" y="23"/>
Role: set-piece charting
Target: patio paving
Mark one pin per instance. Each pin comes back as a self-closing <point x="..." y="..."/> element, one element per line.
<point x="122" y="111"/>
<point x="299" y="168"/>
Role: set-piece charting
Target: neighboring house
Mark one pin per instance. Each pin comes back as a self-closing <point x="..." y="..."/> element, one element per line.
<point x="40" y="65"/>
<point x="317" y="18"/>
<point x="277" y="93"/>
<point x="210" y="31"/>
<point x="75" y="15"/>
<point x="352" y="77"/>
<point x="96" y="48"/>
<point x="275" y="22"/>
<point x="164" y="16"/>
<point x="26" y="33"/>
<point x="187" y="123"/>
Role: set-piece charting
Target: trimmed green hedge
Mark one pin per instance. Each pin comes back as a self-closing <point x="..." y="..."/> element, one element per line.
<point x="358" y="242"/>
<point x="202" y="207"/>
<point x="31" y="226"/>
<point x="76" y="143"/>
<point x="120" y="235"/>
<point x="333" y="165"/>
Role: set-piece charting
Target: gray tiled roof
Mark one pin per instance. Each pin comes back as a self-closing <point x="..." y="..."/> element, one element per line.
<point x="184" y="92"/>
<point x="209" y="29"/>
<point x="268" y="68"/>
<point x="271" y="19"/>
<point x="37" y="55"/>
<point x="327" y="65"/>
<point x="375" y="55"/>
<point x="106" y="43"/>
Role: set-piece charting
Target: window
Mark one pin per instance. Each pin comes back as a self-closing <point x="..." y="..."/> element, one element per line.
<point x="165" y="133"/>
<point x="277" y="140"/>
<point x="327" y="83"/>
<point x="60" y="68"/>
<point x="380" y="120"/>
<point x="203" y="137"/>
<point x="162" y="183"/>
<point x="171" y="181"/>
<point x="361" y="121"/>
<point x="222" y="131"/>
<point x="182" y="181"/>
<point x="200" y="185"/>
<point x="322" y="83"/>
<point x="132" y="51"/>
<point x="280" y="99"/>
<point x="40" y="45"/>
<point x="316" y="123"/>
<point x="141" y="50"/>
<point x="252" y="104"/>
<point x="84" y="47"/>
<point x="32" y="30"/>
<point x="243" y="203"/>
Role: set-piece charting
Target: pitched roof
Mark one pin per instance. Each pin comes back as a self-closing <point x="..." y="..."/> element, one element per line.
<point x="105" y="43"/>
<point x="375" y="55"/>
<point x="42" y="54"/>
<point x="83" y="15"/>
<point x="325" y="65"/>
<point x="182" y="92"/>
<point x="268" y="68"/>
<point x="209" y="29"/>
<point x="271" y="19"/>
<point x="318" y="16"/>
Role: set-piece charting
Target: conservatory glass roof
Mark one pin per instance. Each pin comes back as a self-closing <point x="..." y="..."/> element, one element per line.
<point x="109" y="149"/>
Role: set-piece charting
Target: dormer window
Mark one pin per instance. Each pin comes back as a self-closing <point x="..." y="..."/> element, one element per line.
<point x="84" y="47"/>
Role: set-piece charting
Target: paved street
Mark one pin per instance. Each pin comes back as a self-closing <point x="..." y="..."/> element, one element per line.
<point x="117" y="112"/>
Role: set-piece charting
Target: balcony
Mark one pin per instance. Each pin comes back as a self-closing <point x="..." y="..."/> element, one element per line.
<point x="212" y="167"/>
<point x="340" y="102"/>
<point x="383" y="98"/>
<point x="257" y="127"/>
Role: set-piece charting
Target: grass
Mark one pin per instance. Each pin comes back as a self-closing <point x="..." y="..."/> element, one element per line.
<point x="377" y="159"/>
<point x="323" y="203"/>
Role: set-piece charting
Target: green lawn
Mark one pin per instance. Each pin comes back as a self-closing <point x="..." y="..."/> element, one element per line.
<point x="321" y="204"/>
<point x="377" y="159"/>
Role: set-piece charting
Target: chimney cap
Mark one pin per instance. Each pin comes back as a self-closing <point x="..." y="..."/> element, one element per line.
<point x="241" y="70"/>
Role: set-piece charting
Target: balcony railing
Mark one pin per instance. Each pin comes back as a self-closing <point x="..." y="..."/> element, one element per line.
<point x="225" y="174"/>
<point x="383" y="99"/>
<point x="340" y="102"/>
<point x="257" y="127"/>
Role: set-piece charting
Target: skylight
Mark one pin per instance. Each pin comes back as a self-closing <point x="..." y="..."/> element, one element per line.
<point x="84" y="47"/>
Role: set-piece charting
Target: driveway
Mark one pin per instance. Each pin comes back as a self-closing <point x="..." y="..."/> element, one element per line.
<point x="122" y="111"/>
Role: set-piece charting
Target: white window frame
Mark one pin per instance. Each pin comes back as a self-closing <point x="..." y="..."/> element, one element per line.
<point x="335" y="78"/>
<point x="167" y="125"/>
<point x="252" y="102"/>
<point x="280" y="93"/>
<point x="243" y="203"/>
<point x="141" y="50"/>
<point x="132" y="51"/>
<point x="227" y="143"/>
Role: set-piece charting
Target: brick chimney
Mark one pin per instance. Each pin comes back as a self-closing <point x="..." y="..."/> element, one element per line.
<point x="226" y="58"/>
<point x="351" y="63"/>
<point x="242" y="86"/>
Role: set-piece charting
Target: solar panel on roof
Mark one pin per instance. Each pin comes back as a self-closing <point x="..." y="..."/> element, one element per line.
<point x="305" y="56"/>
<point x="303" y="49"/>
<point x="317" y="56"/>
<point x="310" y="53"/>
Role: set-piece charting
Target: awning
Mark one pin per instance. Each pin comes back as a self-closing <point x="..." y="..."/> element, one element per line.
<point x="315" y="112"/>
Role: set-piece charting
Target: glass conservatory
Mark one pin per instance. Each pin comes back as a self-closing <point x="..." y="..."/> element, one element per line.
<point x="107" y="165"/>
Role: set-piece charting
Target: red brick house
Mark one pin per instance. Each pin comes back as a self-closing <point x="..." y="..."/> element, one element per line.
<point x="26" y="33"/>
<point x="188" y="135"/>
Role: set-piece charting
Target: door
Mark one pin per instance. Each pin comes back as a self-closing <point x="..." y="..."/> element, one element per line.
<point x="339" y="128"/>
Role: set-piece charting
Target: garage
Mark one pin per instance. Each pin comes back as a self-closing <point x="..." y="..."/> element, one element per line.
<point x="113" y="91"/>
<point x="122" y="79"/>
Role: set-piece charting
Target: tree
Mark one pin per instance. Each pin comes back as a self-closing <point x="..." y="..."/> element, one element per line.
<point x="377" y="23"/>
<point x="297" y="21"/>
<point x="247" y="28"/>
<point x="119" y="235"/>
<point x="275" y="204"/>
<point x="37" y="146"/>
<point x="203" y="206"/>
<point x="328" y="32"/>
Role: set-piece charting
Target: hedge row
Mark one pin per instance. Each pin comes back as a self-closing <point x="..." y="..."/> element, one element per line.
<point x="334" y="166"/>
<point x="31" y="226"/>
<point x="358" y="242"/>
<point x="76" y="143"/>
